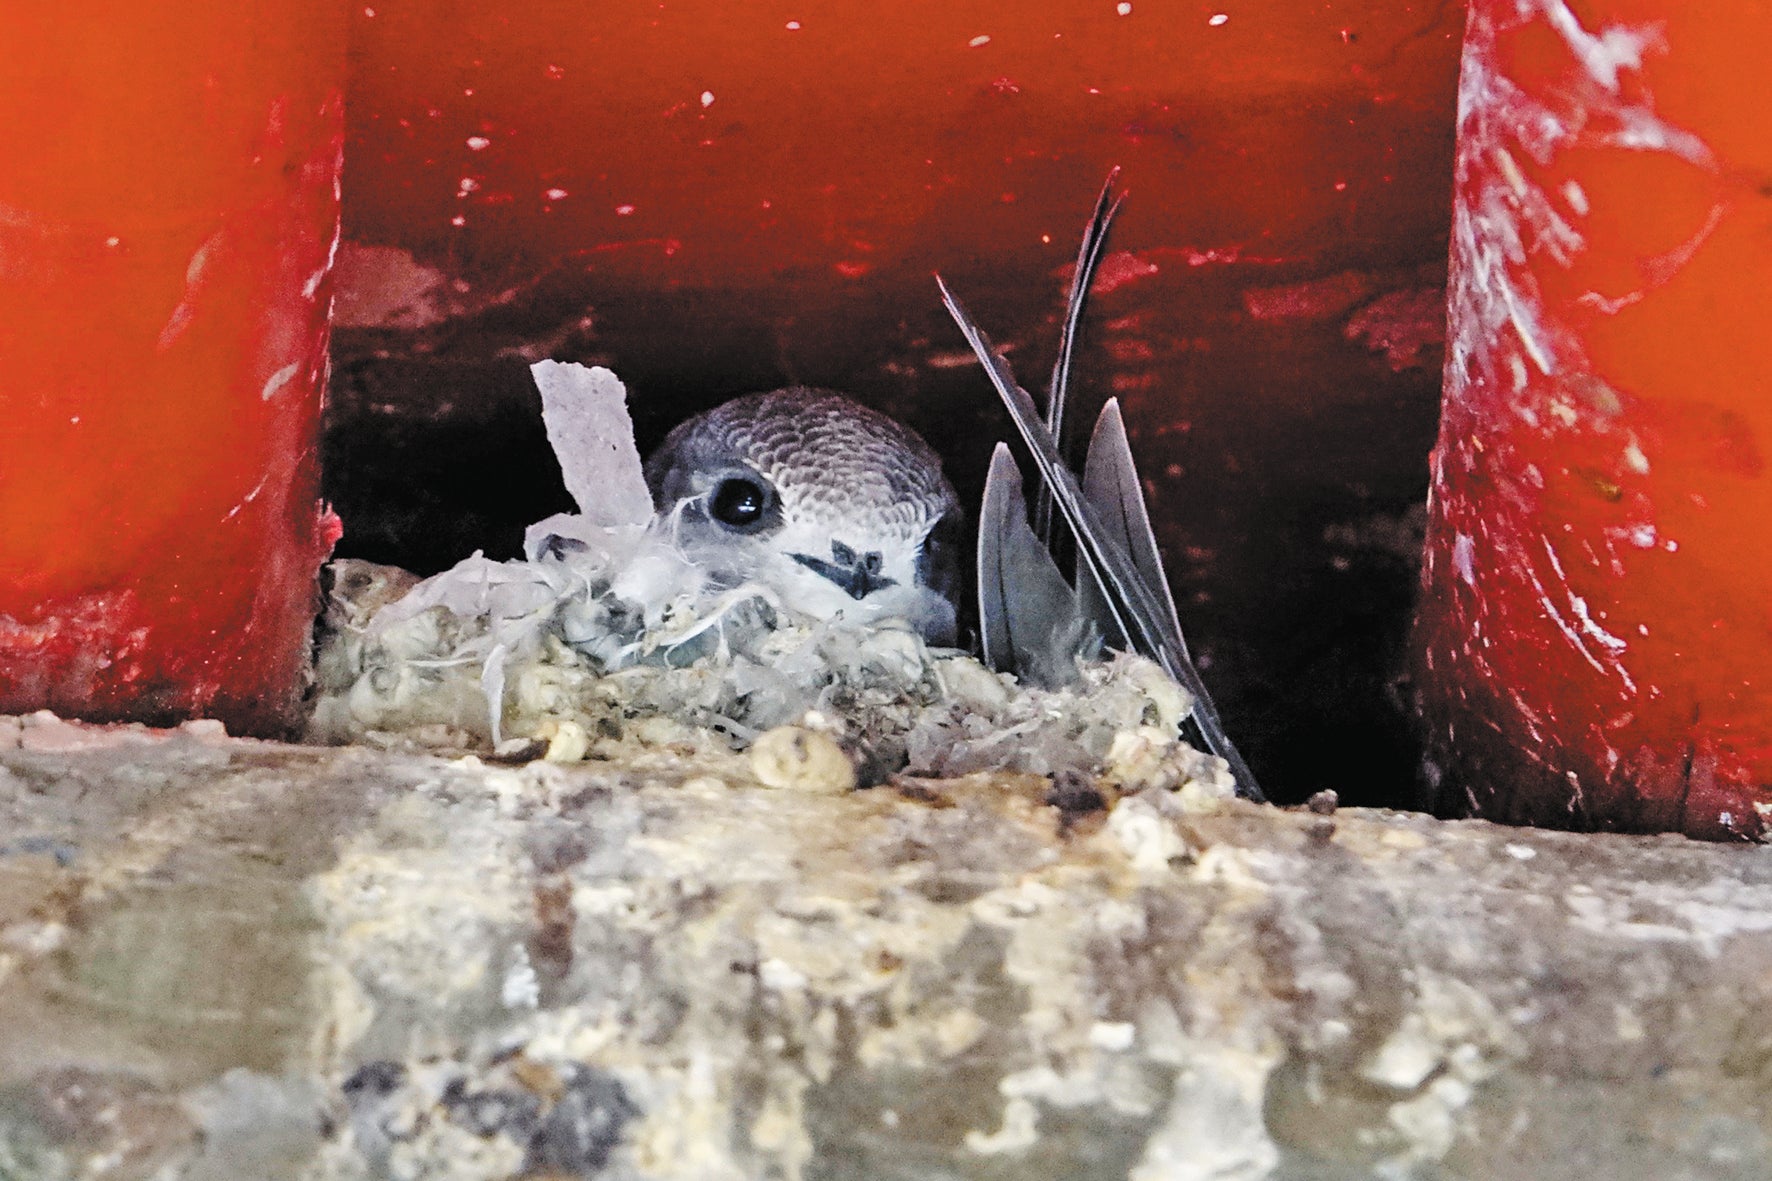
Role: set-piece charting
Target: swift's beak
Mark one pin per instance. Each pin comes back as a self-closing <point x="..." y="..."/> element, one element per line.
<point x="858" y="574"/>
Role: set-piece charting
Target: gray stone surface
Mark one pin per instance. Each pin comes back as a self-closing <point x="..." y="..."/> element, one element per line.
<point x="230" y="959"/>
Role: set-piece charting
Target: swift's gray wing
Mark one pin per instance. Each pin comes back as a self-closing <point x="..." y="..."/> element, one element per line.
<point x="1028" y="617"/>
<point x="1112" y="486"/>
<point x="1140" y="613"/>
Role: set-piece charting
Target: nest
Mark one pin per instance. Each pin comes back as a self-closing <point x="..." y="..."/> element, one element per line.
<point x="606" y="643"/>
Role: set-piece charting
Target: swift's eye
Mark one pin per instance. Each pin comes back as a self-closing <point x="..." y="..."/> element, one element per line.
<point x="738" y="502"/>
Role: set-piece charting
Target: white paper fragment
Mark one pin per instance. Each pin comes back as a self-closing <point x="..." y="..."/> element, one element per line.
<point x="585" y="410"/>
<point x="569" y="533"/>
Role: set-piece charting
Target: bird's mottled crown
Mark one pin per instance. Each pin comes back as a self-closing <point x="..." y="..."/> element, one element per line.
<point x="829" y="458"/>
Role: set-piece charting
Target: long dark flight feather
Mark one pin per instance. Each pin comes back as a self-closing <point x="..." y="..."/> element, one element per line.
<point x="1082" y="278"/>
<point x="1137" y="610"/>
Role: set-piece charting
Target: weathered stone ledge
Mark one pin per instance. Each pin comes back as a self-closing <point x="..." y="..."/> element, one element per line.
<point x="232" y="959"/>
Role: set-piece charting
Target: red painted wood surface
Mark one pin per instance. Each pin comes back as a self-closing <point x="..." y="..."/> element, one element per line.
<point x="1596" y="629"/>
<point x="167" y="213"/>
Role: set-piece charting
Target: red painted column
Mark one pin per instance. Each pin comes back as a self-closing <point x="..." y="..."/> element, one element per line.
<point x="168" y="216"/>
<point x="1596" y="628"/>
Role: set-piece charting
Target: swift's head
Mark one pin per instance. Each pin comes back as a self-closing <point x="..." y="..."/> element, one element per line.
<point x="839" y="509"/>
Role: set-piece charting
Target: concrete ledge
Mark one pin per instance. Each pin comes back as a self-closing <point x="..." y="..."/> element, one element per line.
<point x="230" y="959"/>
